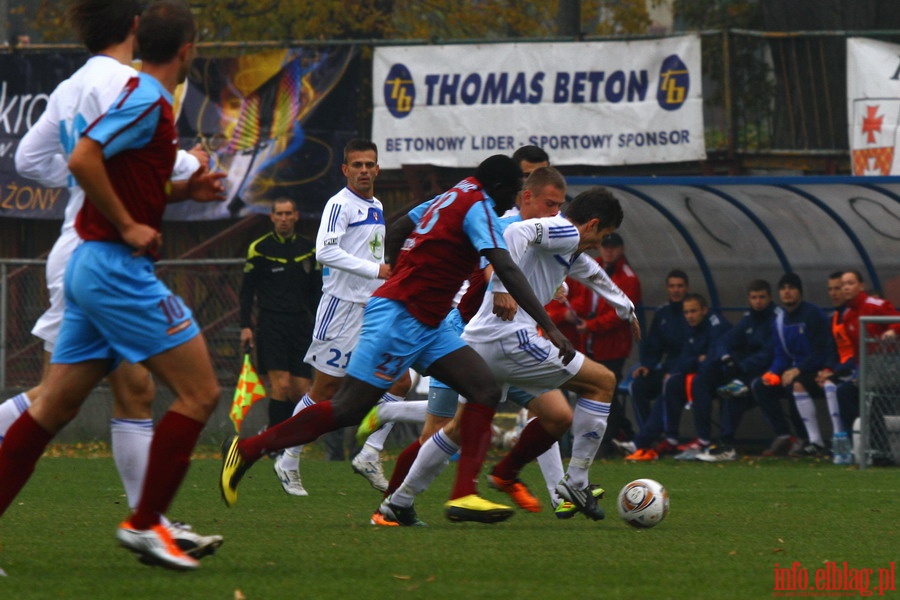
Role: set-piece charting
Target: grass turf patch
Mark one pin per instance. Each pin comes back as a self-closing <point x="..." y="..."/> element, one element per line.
<point x="728" y="526"/>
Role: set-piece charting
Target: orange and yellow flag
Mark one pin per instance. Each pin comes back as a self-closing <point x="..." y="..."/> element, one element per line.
<point x="249" y="390"/>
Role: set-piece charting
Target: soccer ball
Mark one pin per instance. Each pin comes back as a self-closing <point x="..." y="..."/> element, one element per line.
<point x="643" y="503"/>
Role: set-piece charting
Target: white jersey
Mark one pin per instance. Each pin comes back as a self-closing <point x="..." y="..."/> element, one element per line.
<point x="44" y="151"/>
<point x="546" y="250"/>
<point x="350" y="246"/>
<point x="43" y="155"/>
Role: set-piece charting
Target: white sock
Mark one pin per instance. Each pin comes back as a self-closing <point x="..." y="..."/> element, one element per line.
<point x="131" y="450"/>
<point x="412" y="411"/>
<point x="290" y="458"/>
<point x="807" y="409"/>
<point x="433" y="458"/>
<point x="588" y="427"/>
<point x="551" y="466"/>
<point x="833" y="408"/>
<point x="375" y="442"/>
<point x="11" y="410"/>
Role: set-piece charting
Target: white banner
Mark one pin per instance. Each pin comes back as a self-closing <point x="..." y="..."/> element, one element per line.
<point x="873" y="97"/>
<point x="585" y="103"/>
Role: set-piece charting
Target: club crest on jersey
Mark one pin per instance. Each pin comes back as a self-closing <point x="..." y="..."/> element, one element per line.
<point x="376" y="246"/>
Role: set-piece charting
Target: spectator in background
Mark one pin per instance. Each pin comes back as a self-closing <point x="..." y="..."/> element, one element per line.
<point x="660" y="349"/>
<point x="281" y="274"/>
<point x="801" y="345"/>
<point x="860" y="304"/>
<point x="839" y="372"/>
<point x="703" y="334"/>
<point x="745" y="354"/>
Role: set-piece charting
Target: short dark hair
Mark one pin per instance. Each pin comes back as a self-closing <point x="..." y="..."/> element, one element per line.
<point x="164" y="28"/>
<point x="677" y="274"/>
<point x="792" y="280"/>
<point x="102" y="23"/>
<point x="544" y="176"/>
<point x="858" y="275"/>
<point x="283" y="200"/>
<point x="360" y="145"/>
<point x="698" y="298"/>
<point x="498" y="169"/>
<point x="836" y="275"/>
<point x="532" y="154"/>
<point x="760" y="285"/>
<point x="596" y="203"/>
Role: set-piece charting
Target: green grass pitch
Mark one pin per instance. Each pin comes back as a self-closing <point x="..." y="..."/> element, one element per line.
<point x="728" y="526"/>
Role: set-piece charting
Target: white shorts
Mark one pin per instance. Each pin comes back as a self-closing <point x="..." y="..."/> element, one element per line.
<point x="335" y="335"/>
<point x="527" y="361"/>
<point x="49" y="323"/>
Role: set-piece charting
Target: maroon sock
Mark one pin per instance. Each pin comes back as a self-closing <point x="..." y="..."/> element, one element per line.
<point x="170" y="456"/>
<point x="401" y="468"/>
<point x="533" y="442"/>
<point x="474" y="438"/>
<point x="304" y="427"/>
<point x="24" y="443"/>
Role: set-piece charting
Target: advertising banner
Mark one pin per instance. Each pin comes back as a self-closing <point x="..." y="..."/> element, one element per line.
<point x="873" y="106"/>
<point x="585" y="103"/>
<point x="263" y="119"/>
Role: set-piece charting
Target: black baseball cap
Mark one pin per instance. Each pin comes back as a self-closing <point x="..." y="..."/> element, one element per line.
<point x="613" y="240"/>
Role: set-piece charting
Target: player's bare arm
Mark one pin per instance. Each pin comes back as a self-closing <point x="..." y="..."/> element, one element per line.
<point x="397" y="233"/>
<point x="86" y="164"/>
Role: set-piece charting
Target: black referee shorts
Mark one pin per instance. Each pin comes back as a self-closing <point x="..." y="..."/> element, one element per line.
<point x="281" y="343"/>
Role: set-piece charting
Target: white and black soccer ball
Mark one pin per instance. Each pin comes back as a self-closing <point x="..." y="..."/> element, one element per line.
<point x="643" y="503"/>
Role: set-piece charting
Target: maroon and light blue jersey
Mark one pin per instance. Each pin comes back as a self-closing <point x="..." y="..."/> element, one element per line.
<point x="442" y="251"/>
<point x="139" y="142"/>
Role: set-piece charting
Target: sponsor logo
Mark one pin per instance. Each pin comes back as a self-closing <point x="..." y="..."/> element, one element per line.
<point x="399" y="91"/>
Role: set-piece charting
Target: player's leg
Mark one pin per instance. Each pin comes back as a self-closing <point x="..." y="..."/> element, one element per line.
<point x="131" y="432"/>
<point x="553" y="417"/>
<point x="47" y="326"/>
<point x="63" y="393"/>
<point x="430" y="459"/>
<point x="187" y="370"/>
<point x="368" y="461"/>
<point x="131" y="427"/>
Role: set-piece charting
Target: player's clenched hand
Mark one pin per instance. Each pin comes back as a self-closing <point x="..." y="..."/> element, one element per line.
<point x="566" y="350"/>
<point x="142" y="238"/>
<point x="505" y="306"/>
<point x="204" y="186"/>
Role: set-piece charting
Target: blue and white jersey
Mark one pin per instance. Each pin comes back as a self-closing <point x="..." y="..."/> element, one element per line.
<point x="350" y="246"/>
<point x="544" y="250"/>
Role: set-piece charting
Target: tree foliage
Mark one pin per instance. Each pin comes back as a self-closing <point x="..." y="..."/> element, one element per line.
<point x="434" y="20"/>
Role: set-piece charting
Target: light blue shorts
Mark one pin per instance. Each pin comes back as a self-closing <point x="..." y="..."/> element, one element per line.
<point x="392" y="341"/>
<point x="117" y="308"/>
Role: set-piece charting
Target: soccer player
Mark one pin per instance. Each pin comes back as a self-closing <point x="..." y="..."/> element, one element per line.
<point x="546" y="249"/>
<point x="350" y="248"/>
<point x="404" y="327"/>
<point x="107" y="29"/>
<point x="543" y="194"/>
<point x="116" y="308"/>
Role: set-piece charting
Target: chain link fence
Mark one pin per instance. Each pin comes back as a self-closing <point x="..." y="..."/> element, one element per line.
<point x="879" y="384"/>
<point x="210" y="287"/>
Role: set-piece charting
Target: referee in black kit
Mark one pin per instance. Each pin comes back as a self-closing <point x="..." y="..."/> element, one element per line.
<point x="281" y="273"/>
